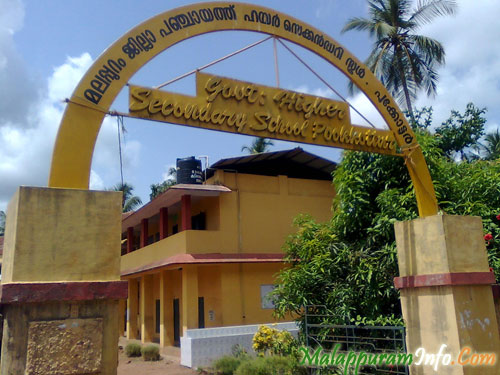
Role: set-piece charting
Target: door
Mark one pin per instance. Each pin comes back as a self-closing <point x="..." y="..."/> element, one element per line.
<point x="201" y="312"/>
<point x="177" y="326"/>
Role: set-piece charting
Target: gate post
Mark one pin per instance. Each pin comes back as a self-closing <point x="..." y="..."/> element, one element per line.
<point x="60" y="285"/>
<point x="446" y="292"/>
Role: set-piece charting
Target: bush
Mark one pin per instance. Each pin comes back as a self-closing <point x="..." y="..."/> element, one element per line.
<point x="274" y="365"/>
<point x="133" y="350"/>
<point x="226" y="365"/>
<point x="151" y="352"/>
<point x="273" y="341"/>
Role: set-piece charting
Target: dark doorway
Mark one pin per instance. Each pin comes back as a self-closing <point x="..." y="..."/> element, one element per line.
<point x="177" y="326"/>
<point x="201" y="312"/>
<point x="157" y="320"/>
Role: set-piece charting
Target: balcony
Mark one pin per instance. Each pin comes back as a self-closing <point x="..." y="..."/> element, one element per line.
<point x="186" y="242"/>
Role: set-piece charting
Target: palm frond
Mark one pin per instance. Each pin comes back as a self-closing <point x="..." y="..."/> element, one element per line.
<point x="428" y="10"/>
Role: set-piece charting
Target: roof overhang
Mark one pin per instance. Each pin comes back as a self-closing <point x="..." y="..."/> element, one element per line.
<point x="169" y="198"/>
<point x="213" y="258"/>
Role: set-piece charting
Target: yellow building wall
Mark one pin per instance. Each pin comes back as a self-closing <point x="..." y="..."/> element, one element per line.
<point x="209" y="287"/>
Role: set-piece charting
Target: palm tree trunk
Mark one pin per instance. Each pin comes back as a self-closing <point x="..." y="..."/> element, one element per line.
<point x="405" y="85"/>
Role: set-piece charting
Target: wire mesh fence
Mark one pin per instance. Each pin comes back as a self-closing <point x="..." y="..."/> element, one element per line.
<point x="384" y="344"/>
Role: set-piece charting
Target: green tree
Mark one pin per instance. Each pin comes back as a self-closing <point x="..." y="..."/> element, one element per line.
<point x="2" y="223"/>
<point x="129" y="201"/>
<point x="461" y="132"/>
<point x="157" y="189"/>
<point x="492" y="146"/>
<point x="402" y="59"/>
<point x="258" y="146"/>
<point x="348" y="264"/>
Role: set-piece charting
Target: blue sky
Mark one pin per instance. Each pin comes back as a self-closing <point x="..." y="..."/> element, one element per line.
<point x="46" y="46"/>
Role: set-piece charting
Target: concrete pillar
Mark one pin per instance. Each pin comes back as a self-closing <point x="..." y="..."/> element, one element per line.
<point x="147" y="309"/>
<point x="61" y="282"/>
<point x="130" y="239"/>
<point x="163" y="223"/>
<point x="446" y="292"/>
<point x="144" y="233"/>
<point x="189" y="297"/>
<point x="166" y="310"/>
<point x="185" y="212"/>
<point x="132" y="309"/>
<point x="232" y="308"/>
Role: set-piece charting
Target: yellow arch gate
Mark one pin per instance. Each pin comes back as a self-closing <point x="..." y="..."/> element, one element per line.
<point x="101" y="84"/>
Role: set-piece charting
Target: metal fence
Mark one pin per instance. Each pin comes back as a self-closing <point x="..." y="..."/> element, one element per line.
<point x="351" y="338"/>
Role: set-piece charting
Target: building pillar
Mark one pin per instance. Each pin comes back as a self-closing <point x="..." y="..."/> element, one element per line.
<point x="132" y="309"/>
<point x="446" y="292"/>
<point x="147" y="309"/>
<point x="130" y="239"/>
<point x="185" y="212"/>
<point x="163" y="223"/>
<point x="144" y="233"/>
<point x="231" y="297"/>
<point x="189" y="298"/>
<point x="166" y="310"/>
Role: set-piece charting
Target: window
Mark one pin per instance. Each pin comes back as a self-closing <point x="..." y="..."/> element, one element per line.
<point x="265" y="297"/>
<point x="198" y="222"/>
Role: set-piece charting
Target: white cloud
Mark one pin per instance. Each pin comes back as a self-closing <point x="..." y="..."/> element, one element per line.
<point x="27" y="142"/>
<point x="472" y="71"/>
<point x="96" y="182"/>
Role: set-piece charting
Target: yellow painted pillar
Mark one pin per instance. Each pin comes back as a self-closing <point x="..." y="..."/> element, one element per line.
<point x="147" y="309"/>
<point x="189" y="297"/>
<point x="446" y="293"/>
<point x="132" y="309"/>
<point x="231" y="295"/>
<point x="166" y="309"/>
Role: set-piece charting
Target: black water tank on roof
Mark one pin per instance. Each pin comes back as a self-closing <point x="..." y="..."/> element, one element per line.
<point x="189" y="171"/>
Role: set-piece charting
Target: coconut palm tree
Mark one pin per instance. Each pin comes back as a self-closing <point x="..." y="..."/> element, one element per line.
<point x="492" y="146"/>
<point x="129" y="201"/>
<point x="2" y="223"/>
<point x="258" y="145"/>
<point x="403" y="60"/>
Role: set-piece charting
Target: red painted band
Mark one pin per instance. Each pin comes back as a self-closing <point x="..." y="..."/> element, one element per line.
<point x="62" y="291"/>
<point x="445" y="279"/>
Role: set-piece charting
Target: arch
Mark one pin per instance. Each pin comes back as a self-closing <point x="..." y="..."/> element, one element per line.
<point x="92" y="98"/>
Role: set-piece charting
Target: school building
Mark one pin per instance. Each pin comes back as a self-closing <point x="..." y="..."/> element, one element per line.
<point x="206" y="255"/>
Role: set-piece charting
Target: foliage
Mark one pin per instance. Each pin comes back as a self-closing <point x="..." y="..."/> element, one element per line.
<point x="2" y="223"/>
<point x="226" y="365"/>
<point x="151" y="352"/>
<point x="157" y="189"/>
<point x="402" y="59"/>
<point x="133" y="350"/>
<point x="258" y="145"/>
<point x="129" y="201"/>
<point x="348" y="264"/>
<point x="268" y="340"/>
<point x="492" y="146"/>
<point x="461" y="131"/>
<point x="239" y="351"/>
<point x="273" y="365"/>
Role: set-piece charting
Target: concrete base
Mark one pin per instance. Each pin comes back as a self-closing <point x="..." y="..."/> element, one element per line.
<point x="60" y="338"/>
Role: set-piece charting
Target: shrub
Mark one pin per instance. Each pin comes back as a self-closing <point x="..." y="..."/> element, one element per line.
<point x="151" y="352"/>
<point x="273" y="365"/>
<point x="226" y="365"/>
<point x="273" y="341"/>
<point x="133" y="350"/>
